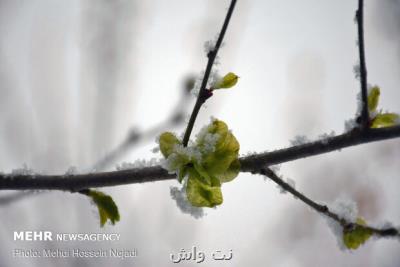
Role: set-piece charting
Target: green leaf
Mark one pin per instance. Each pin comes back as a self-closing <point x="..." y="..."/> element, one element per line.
<point x="108" y="210"/>
<point x="385" y="120"/>
<point x="200" y="194"/>
<point x="216" y="130"/>
<point x="228" y="81"/>
<point x="373" y="98"/>
<point x="357" y="236"/>
<point x="210" y="161"/>
<point x="219" y="162"/>
<point x="202" y="174"/>
<point x="205" y="177"/>
<point x="167" y="143"/>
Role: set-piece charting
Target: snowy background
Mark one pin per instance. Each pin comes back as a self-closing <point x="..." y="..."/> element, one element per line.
<point x="77" y="76"/>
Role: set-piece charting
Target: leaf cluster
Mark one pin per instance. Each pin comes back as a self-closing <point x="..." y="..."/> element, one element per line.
<point x="207" y="163"/>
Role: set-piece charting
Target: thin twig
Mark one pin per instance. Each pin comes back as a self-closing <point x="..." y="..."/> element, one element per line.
<point x="250" y="163"/>
<point x="211" y="58"/>
<point x="363" y="69"/>
<point x="323" y="209"/>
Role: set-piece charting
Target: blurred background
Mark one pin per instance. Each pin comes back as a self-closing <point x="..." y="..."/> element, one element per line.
<point x="90" y="83"/>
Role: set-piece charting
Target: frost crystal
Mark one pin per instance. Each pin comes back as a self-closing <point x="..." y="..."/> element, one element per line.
<point x="197" y="84"/>
<point x="174" y="159"/>
<point x="324" y="138"/>
<point x="208" y="140"/>
<point x="214" y="78"/>
<point x="276" y="168"/>
<point x="209" y="46"/>
<point x="350" y="124"/>
<point x="179" y="195"/>
<point x="357" y="71"/>
<point x="359" y="104"/>
<point x="190" y="151"/>
<point x="345" y="208"/>
<point x="139" y="163"/>
<point x="71" y="171"/>
<point x="299" y="140"/>
<point x="252" y="153"/>
<point x="22" y="171"/>
<point x="290" y="182"/>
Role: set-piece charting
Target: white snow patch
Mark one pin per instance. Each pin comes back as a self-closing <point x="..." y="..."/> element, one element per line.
<point x="207" y="140"/>
<point x="139" y="163"/>
<point x="345" y="208"/>
<point x="179" y="195"/>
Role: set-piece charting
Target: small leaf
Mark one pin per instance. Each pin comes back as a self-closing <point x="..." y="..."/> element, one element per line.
<point x="108" y="210"/>
<point x="357" y="236"/>
<point x="205" y="177"/>
<point x="385" y="120"/>
<point x="373" y="98"/>
<point x="226" y="152"/>
<point x="167" y="143"/>
<point x="228" y="81"/>
<point x="200" y="194"/>
<point x="203" y="174"/>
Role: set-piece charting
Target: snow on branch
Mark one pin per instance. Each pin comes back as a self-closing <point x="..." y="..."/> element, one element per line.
<point x="342" y="216"/>
<point x="252" y="163"/>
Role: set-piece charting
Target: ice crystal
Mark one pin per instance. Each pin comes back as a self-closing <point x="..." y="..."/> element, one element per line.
<point x="299" y="140"/>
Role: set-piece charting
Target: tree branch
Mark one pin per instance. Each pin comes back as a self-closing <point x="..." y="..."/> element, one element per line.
<point x="363" y="69"/>
<point x="202" y="97"/>
<point x="252" y="163"/>
<point x="338" y="142"/>
<point x="323" y="209"/>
